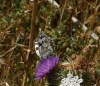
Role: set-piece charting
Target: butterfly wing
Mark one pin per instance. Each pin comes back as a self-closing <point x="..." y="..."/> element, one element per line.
<point x="44" y="46"/>
<point x="37" y="48"/>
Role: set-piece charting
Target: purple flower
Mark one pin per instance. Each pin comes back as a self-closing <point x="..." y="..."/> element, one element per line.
<point x="45" y="66"/>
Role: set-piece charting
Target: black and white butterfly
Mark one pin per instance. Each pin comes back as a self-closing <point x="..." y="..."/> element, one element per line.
<point x="44" y="45"/>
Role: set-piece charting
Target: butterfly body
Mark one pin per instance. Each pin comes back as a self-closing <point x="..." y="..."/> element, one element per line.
<point x="44" y="45"/>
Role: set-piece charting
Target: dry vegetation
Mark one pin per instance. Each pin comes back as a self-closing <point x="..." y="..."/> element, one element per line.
<point x="20" y="21"/>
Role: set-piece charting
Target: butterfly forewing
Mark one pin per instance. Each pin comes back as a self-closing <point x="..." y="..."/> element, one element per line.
<point x="44" y="45"/>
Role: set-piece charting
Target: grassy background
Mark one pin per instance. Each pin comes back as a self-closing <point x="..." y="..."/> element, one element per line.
<point x="20" y="21"/>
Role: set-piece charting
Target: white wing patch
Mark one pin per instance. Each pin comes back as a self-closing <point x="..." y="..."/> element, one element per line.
<point x="36" y="49"/>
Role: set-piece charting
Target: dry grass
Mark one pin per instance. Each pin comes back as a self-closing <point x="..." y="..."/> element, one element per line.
<point x="19" y="25"/>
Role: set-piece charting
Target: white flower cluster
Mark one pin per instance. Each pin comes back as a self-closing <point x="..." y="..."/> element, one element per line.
<point x="71" y="80"/>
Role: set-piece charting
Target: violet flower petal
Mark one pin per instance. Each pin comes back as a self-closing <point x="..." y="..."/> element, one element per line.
<point x="45" y="66"/>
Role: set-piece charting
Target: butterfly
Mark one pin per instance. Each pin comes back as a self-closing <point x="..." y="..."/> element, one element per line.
<point x="44" y="45"/>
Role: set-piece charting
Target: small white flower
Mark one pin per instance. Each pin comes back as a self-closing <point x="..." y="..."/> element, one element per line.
<point x="54" y="3"/>
<point x="71" y="80"/>
<point x="80" y="80"/>
<point x="84" y="27"/>
<point x="94" y="36"/>
<point x="69" y="75"/>
<point x="94" y="85"/>
<point x="74" y="19"/>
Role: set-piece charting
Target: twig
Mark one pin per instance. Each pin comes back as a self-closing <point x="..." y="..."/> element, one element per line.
<point x="33" y="4"/>
<point x="62" y="12"/>
<point x="8" y="51"/>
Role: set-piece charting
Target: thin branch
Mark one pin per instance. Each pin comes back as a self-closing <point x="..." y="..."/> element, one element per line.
<point x="33" y="4"/>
